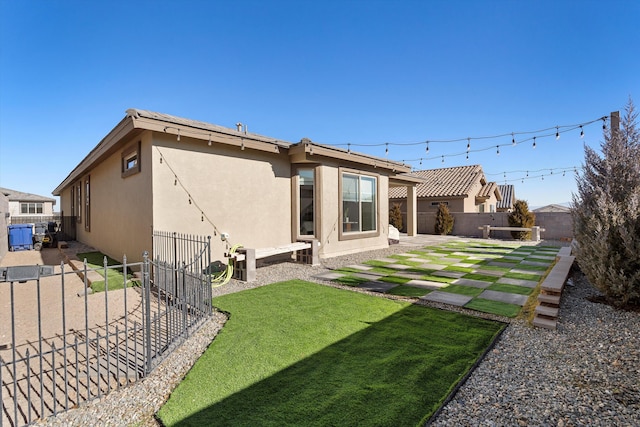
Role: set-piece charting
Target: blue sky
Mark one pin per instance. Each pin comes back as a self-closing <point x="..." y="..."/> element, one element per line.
<point x="360" y="72"/>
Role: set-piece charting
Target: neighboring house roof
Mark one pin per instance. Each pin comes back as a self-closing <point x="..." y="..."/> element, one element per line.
<point x="137" y="121"/>
<point x="19" y="196"/>
<point x="449" y="182"/>
<point x="508" y="196"/>
<point x="553" y="208"/>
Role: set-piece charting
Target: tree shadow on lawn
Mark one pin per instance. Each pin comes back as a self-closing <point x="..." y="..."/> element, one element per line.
<point x="397" y="371"/>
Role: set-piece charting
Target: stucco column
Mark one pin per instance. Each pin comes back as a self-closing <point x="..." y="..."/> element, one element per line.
<point x="412" y="211"/>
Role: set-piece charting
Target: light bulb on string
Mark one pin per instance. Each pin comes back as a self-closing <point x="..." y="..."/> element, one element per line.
<point x="386" y="150"/>
<point x="209" y="143"/>
<point x="189" y="199"/>
<point x="175" y="180"/>
<point x="527" y="174"/>
<point x="178" y="138"/>
<point x="160" y="159"/>
<point x="242" y="145"/>
<point x="551" y="171"/>
<point x="557" y="133"/>
<point x="349" y="148"/>
<point x="201" y="216"/>
<point x="468" y="144"/>
<point x="427" y="147"/>
<point x="534" y="142"/>
<point x="604" y="123"/>
<point x="581" y="132"/>
<point x="513" y="139"/>
<point x="467" y="156"/>
<point x="443" y="158"/>
<point x="563" y="173"/>
<point x="420" y="161"/>
<point x="498" y="150"/>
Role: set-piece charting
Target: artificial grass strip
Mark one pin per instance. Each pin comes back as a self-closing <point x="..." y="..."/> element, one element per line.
<point x="494" y="307"/>
<point x="351" y="280"/>
<point x="115" y="278"/>
<point x="523" y="276"/>
<point x="512" y="289"/>
<point x="298" y="353"/>
<point x="463" y="290"/>
<point x="408" y="291"/>
<point x="483" y="277"/>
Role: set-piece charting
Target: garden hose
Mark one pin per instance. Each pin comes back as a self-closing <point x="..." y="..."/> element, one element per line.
<point x="224" y="277"/>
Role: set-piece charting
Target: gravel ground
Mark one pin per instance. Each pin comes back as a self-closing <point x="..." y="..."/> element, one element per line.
<point x="585" y="373"/>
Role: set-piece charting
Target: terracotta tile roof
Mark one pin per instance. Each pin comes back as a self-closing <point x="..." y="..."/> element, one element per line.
<point x="487" y="190"/>
<point x="508" y="196"/>
<point x="446" y="182"/>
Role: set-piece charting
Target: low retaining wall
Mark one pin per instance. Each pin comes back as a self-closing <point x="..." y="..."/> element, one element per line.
<point x="557" y="225"/>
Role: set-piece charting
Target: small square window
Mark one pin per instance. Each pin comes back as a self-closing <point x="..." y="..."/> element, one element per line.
<point x="131" y="160"/>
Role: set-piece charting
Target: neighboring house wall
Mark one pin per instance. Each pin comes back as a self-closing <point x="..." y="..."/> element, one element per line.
<point x="4" y="223"/>
<point x="557" y="225"/>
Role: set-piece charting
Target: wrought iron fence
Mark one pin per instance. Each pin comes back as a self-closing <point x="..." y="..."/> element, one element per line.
<point x="69" y="345"/>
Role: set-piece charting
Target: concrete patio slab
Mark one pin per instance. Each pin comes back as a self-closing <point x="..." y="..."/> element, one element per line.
<point x="514" y="257"/>
<point x="360" y="267"/>
<point x="451" y="274"/>
<point x="409" y="275"/>
<point x="502" y="264"/>
<point x="447" y="298"/>
<point x="496" y="273"/>
<point x="523" y="271"/>
<point x="387" y="260"/>
<point x="430" y="266"/>
<point x="370" y="276"/>
<point x="464" y="265"/>
<point x="329" y="276"/>
<point x="426" y="284"/>
<point x="504" y="297"/>
<point x="518" y="282"/>
<point x="398" y="266"/>
<point x="377" y="286"/>
<point x="473" y="283"/>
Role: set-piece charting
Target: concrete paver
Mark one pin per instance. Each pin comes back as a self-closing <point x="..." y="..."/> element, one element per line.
<point x="504" y="297"/>
<point x="447" y="298"/>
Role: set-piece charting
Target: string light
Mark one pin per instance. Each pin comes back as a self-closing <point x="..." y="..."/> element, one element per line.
<point x="468" y="144"/>
<point x="442" y="159"/>
<point x="175" y="180"/>
<point x="386" y="150"/>
<point x="242" y="144"/>
<point x="498" y="150"/>
<point x="189" y="198"/>
<point x="557" y="133"/>
<point x="604" y="123"/>
<point x="160" y="159"/>
<point x="209" y="143"/>
<point x="178" y="138"/>
<point x="202" y="216"/>
<point x="513" y="139"/>
<point x="427" y="147"/>
<point x="581" y="132"/>
<point x="534" y="142"/>
<point x="349" y="148"/>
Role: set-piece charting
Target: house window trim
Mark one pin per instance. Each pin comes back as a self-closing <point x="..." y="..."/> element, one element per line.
<point x="297" y="206"/>
<point x="79" y="201"/>
<point x="87" y="203"/>
<point x="35" y="206"/>
<point x="129" y="153"/>
<point x="354" y="235"/>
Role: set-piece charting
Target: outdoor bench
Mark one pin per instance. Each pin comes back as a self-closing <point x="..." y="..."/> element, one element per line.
<point x="244" y="261"/>
<point x="535" y="235"/>
<point x="546" y="313"/>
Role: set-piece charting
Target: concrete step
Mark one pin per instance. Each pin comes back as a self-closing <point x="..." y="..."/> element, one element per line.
<point x="550" y="300"/>
<point x="546" y="311"/>
<point x="542" y="322"/>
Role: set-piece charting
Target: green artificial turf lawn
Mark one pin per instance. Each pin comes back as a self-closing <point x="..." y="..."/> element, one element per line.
<point x="297" y="353"/>
<point x="115" y="278"/>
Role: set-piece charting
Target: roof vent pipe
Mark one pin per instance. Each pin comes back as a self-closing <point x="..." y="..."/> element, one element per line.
<point x="245" y="128"/>
<point x="239" y="127"/>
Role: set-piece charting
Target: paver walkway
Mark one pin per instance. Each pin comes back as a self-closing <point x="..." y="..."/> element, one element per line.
<point x="488" y="277"/>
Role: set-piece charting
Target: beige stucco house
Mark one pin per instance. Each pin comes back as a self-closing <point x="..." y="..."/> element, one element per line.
<point x="462" y="189"/>
<point x="154" y="171"/>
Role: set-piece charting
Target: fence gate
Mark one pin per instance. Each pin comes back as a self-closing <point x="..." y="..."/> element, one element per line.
<point x="66" y="340"/>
